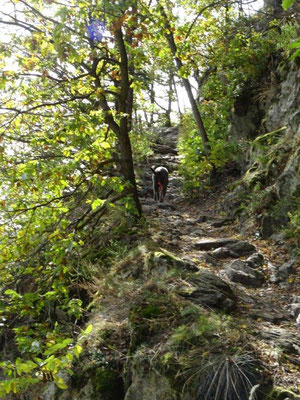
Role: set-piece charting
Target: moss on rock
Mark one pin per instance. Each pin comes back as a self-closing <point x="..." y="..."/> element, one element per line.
<point x="149" y="260"/>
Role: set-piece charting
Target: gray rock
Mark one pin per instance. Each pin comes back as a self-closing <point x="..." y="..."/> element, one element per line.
<point x="175" y="182"/>
<point x="209" y="259"/>
<point x="239" y="271"/>
<point x="202" y="218"/>
<point x="238" y="247"/>
<point x="233" y="199"/>
<point x="148" y="384"/>
<point x="256" y="260"/>
<point x="269" y="315"/>
<point x="190" y="222"/>
<point x="224" y="252"/>
<point x="214" y="244"/>
<point x="149" y="202"/>
<point x="280" y="274"/>
<point x="222" y="222"/>
<point x="242" y="247"/>
<point x="166" y="206"/>
<point x="272" y="269"/>
<point x="168" y="136"/>
<point x="165" y="149"/>
<point x="198" y="232"/>
<point x="209" y="290"/>
<point x="286" y="269"/>
<point x="267" y="226"/>
<point x="284" y="338"/>
<point x="246" y="118"/>
<point x="278" y="238"/>
<point x="295" y="309"/>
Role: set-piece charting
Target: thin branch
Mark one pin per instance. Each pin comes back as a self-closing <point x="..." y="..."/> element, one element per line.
<point x="47" y="203"/>
<point x="22" y="24"/>
<point x="74" y="78"/>
<point x="56" y="103"/>
<point x="101" y="210"/>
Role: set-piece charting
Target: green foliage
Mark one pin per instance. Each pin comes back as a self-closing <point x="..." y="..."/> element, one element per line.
<point x="142" y="139"/>
<point x="287" y="4"/>
<point x="150" y="315"/>
<point x="193" y="165"/>
<point x="66" y="202"/>
<point x="199" y="333"/>
<point x="60" y="186"/>
<point x="295" y="45"/>
<point x="239" y="59"/>
<point x="47" y="360"/>
<point x="293" y="229"/>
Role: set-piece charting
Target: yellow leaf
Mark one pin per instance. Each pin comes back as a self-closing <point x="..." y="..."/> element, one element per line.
<point x="60" y="383"/>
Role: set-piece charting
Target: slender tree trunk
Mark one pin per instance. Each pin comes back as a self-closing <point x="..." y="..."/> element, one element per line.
<point x="170" y="94"/>
<point x="177" y="97"/>
<point x="152" y="102"/>
<point x="196" y="113"/>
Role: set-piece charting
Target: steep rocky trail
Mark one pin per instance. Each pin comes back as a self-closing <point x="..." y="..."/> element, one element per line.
<point x="262" y="274"/>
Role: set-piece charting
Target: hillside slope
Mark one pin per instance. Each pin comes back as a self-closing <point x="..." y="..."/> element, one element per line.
<point x="195" y="309"/>
<point x="204" y="303"/>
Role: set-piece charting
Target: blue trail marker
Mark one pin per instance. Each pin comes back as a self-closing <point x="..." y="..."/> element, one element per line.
<point x="96" y="30"/>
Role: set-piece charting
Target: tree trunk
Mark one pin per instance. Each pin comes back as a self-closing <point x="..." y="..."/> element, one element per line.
<point x="177" y="97"/>
<point x="196" y="113"/>
<point x="124" y="107"/>
<point x="152" y="102"/>
<point x="170" y="95"/>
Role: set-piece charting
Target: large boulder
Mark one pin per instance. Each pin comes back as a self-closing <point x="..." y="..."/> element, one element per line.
<point x="149" y="260"/>
<point x="208" y="290"/>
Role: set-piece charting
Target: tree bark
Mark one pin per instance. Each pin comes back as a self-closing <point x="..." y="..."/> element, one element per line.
<point x="124" y="107"/>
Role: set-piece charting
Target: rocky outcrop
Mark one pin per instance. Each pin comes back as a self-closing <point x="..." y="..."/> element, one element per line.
<point x="274" y="161"/>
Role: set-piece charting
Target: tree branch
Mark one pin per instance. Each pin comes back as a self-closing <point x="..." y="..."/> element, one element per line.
<point x="56" y="103"/>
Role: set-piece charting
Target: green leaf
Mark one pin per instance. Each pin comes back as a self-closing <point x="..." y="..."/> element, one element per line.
<point x="88" y="329"/>
<point x="26" y="367"/>
<point x="295" y="55"/>
<point x="295" y="44"/>
<point x="58" y="346"/>
<point x="287" y="4"/>
<point x="13" y="294"/>
<point x="97" y="203"/>
<point x="60" y="383"/>
<point x="77" y="350"/>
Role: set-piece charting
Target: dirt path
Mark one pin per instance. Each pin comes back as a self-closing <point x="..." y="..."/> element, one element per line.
<point x="187" y="229"/>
